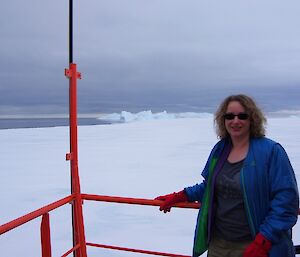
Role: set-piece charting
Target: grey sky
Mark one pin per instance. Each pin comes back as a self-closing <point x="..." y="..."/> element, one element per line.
<point x="138" y="54"/>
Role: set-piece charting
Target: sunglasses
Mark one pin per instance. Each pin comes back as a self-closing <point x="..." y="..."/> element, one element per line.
<point x="231" y="116"/>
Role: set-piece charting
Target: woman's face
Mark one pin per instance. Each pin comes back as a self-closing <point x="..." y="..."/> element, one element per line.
<point x="237" y="127"/>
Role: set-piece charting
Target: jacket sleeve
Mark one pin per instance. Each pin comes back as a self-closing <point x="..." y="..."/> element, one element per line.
<point x="195" y="193"/>
<point x="283" y="211"/>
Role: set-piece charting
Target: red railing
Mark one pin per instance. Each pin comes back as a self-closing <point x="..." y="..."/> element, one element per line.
<point x="45" y="223"/>
<point x="35" y="214"/>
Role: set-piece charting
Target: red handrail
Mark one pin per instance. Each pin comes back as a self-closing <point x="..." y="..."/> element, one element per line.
<point x="35" y="214"/>
<point x="138" y="201"/>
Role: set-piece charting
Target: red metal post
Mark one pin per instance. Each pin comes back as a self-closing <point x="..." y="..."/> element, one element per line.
<point x="45" y="236"/>
<point x="78" y="224"/>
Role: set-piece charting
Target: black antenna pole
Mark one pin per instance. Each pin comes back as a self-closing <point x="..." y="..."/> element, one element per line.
<point x="71" y="61"/>
<point x="70" y="31"/>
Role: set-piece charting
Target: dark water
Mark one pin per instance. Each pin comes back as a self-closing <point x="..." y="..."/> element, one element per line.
<point x="46" y="122"/>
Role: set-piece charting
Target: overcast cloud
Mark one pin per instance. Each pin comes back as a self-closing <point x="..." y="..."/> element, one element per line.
<point x="137" y="54"/>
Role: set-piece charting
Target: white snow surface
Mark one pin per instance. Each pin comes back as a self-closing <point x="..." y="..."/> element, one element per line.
<point x="140" y="159"/>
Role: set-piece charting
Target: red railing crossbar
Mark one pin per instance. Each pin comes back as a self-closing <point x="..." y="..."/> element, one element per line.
<point x="135" y="250"/>
<point x="71" y="250"/>
<point x="35" y="214"/>
<point x="137" y="201"/>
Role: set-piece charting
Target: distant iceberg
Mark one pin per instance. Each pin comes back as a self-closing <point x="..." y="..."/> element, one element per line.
<point x="125" y="117"/>
<point x="285" y="114"/>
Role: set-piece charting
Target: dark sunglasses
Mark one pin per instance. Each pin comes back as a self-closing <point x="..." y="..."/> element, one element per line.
<point x="231" y="116"/>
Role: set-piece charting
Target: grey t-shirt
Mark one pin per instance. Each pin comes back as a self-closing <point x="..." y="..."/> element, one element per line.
<point x="230" y="217"/>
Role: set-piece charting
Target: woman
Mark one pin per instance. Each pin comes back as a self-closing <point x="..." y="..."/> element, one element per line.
<point x="249" y="197"/>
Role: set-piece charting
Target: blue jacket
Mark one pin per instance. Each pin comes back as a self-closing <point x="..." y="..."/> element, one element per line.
<point x="270" y="192"/>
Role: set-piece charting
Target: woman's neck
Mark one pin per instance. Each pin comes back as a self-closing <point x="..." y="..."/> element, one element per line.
<point x="239" y="150"/>
<point x="240" y="143"/>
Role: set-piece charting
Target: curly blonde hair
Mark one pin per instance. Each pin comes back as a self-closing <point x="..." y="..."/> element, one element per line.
<point x="256" y="117"/>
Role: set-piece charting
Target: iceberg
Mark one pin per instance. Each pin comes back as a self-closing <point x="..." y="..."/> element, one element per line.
<point x="126" y="117"/>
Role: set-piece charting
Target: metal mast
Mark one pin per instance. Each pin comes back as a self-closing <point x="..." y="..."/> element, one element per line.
<point x="79" y="243"/>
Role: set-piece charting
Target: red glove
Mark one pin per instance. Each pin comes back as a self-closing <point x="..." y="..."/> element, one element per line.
<point x="171" y="199"/>
<point x="259" y="247"/>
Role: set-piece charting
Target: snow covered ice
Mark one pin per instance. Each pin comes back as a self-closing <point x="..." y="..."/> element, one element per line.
<point x="126" y="117"/>
<point x="141" y="159"/>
